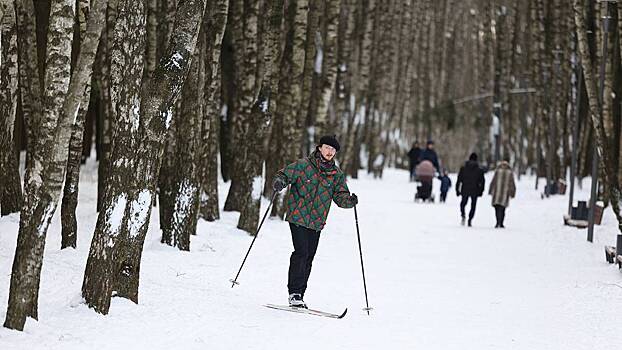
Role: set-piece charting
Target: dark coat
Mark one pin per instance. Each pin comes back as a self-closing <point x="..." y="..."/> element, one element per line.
<point x="413" y="156"/>
<point x="430" y="154"/>
<point x="445" y="183"/>
<point x="471" y="180"/>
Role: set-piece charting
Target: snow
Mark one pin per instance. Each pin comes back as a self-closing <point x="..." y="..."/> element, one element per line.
<point x="433" y="284"/>
<point x="139" y="210"/>
<point x="168" y="117"/>
<point x="45" y="220"/>
<point x="319" y="57"/>
<point x="117" y="210"/>
<point x="257" y="187"/>
<point x="75" y="115"/>
<point x="264" y="106"/>
<point x="184" y="201"/>
<point x="175" y="61"/>
<point x="135" y="117"/>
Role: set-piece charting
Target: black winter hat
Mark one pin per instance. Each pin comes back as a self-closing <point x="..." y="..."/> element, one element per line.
<point x="330" y="140"/>
<point x="473" y="156"/>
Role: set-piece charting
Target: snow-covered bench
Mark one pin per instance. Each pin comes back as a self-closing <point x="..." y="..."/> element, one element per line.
<point x="612" y="257"/>
<point x="610" y="254"/>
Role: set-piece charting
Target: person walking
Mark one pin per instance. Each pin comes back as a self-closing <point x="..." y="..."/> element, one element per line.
<point x="470" y="185"/>
<point x="445" y="185"/>
<point x="502" y="188"/>
<point x="315" y="181"/>
<point x="413" y="159"/>
<point x="430" y="154"/>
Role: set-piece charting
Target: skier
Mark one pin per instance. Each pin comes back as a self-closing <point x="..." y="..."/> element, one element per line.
<point x="430" y="154"/>
<point x="502" y="188"/>
<point x="470" y="184"/>
<point x="413" y="159"/>
<point x="445" y="185"/>
<point x="315" y="181"/>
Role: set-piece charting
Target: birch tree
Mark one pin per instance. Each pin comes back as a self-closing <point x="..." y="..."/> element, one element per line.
<point x="210" y="131"/>
<point x="116" y="248"/>
<point x="70" y="190"/>
<point x="62" y="96"/>
<point x="10" y="184"/>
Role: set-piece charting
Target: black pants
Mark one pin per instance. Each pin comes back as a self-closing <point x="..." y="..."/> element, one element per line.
<point x="500" y="214"/>
<point x="463" y="204"/>
<point x="305" y="245"/>
<point x="443" y="196"/>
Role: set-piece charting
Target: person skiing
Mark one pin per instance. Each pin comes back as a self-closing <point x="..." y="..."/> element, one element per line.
<point x="445" y="185"/>
<point x="502" y="188"/>
<point x="470" y="184"/>
<point x="430" y="154"/>
<point x="413" y="159"/>
<point x="315" y="181"/>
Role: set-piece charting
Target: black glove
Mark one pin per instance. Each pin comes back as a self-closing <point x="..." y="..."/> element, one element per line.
<point x="457" y="193"/>
<point x="278" y="184"/>
<point x="354" y="199"/>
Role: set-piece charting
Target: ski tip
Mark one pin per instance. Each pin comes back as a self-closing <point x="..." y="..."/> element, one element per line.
<point x="343" y="314"/>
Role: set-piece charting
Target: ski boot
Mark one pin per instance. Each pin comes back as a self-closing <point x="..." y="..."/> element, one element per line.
<point x="295" y="300"/>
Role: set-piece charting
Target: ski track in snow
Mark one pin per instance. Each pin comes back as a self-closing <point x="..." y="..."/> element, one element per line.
<point x="433" y="284"/>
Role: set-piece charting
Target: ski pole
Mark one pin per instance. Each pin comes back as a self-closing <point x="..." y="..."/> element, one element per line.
<point x="235" y="280"/>
<point x="358" y="236"/>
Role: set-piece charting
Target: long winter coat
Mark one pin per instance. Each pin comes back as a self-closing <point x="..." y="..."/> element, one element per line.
<point x="430" y="154"/>
<point x="502" y="187"/>
<point x="414" y="156"/>
<point x="471" y="180"/>
<point x="314" y="184"/>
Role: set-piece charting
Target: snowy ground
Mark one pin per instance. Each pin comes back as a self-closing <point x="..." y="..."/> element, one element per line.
<point x="433" y="283"/>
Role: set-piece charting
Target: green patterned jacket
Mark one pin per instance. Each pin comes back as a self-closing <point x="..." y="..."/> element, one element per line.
<point x="314" y="184"/>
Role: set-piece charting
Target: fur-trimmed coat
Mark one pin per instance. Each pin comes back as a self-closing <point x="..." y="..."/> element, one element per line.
<point x="502" y="187"/>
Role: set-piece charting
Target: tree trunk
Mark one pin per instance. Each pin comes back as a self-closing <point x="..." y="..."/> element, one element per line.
<point x="43" y="182"/>
<point x="290" y="87"/>
<point x="211" y="118"/>
<point x="185" y="186"/>
<point x="261" y="115"/>
<point x="116" y="248"/>
<point x="70" y="191"/>
<point x="329" y="67"/>
<point x="106" y="122"/>
<point x="29" y="81"/>
<point x="597" y="114"/>
<point x="246" y="80"/>
<point x="10" y="183"/>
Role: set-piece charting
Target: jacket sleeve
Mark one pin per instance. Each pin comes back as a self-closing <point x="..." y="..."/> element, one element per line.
<point x="341" y="193"/>
<point x="459" y="181"/>
<point x="288" y="174"/>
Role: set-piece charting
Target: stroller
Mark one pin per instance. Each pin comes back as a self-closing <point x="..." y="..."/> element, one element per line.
<point x="424" y="174"/>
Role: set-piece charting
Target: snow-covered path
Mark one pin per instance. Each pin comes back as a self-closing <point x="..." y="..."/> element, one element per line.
<point x="433" y="284"/>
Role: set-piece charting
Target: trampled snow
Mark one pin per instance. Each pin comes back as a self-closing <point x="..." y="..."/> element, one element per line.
<point x="433" y="284"/>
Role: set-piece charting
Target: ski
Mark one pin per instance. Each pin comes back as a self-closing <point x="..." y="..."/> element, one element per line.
<point x="306" y="311"/>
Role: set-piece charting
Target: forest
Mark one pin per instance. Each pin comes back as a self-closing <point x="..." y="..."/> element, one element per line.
<point x="172" y="95"/>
